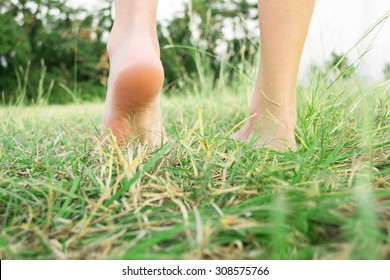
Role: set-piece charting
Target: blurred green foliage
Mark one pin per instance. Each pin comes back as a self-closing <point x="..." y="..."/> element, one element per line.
<point x="61" y="50"/>
<point x="199" y="30"/>
<point x="386" y="71"/>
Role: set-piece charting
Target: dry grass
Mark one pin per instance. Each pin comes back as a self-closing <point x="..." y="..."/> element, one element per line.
<point x="202" y="195"/>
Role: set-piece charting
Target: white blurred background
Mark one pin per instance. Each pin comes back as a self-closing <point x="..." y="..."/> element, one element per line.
<point x="336" y="26"/>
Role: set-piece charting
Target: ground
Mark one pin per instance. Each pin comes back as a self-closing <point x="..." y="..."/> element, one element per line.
<point x="202" y="195"/>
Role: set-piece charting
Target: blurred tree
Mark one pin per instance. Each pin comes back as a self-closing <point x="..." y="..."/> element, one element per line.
<point x="340" y="63"/>
<point x="68" y="40"/>
<point x="386" y="71"/>
<point x="14" y="45"/>
<point x="71" y="43"/>
<point x="208" y="27"/>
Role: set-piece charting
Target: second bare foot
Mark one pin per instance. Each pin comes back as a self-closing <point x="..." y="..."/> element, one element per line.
<point x="270" y="124"/>
<point x="276" y="134"/>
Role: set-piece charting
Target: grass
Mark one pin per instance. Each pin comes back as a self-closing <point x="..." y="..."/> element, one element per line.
<point x="202" y="195"/>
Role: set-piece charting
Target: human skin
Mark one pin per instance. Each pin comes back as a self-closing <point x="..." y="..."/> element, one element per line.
<point x="283" y="29"/>
<point x="132" y="110"/>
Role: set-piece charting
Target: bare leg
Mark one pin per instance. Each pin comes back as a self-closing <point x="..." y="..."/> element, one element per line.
<point x="284" y="25"/>
<point x="132" y="110"/>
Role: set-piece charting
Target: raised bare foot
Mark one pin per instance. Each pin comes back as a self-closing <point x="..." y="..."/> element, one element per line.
<point x="132" y="109"/>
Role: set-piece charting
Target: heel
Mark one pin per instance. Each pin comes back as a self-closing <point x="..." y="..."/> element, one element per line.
<point x="140" y="83"/>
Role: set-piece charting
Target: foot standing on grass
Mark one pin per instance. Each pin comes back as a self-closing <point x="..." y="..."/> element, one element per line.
<point x="132" y="107"/>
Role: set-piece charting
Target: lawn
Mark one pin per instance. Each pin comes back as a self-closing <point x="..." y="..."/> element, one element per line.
<point x="202" y="195"/>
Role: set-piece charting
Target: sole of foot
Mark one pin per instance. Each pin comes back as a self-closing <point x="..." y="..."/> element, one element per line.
<point x="132" y="109"/>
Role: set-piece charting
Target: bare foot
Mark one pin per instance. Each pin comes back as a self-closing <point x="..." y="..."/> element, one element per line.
<point x="269" y="125"/>
<point x="132" y="109"/>
<point x="278" y="135"/>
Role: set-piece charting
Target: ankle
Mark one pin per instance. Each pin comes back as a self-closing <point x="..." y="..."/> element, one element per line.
<point x="134" y="20"/>
<point x="265" y="118"/>
<point x="118" y="40"/>
<point x="269" y="110"/>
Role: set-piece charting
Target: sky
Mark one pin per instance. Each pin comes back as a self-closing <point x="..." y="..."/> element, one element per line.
<point x="337" y="25"/>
